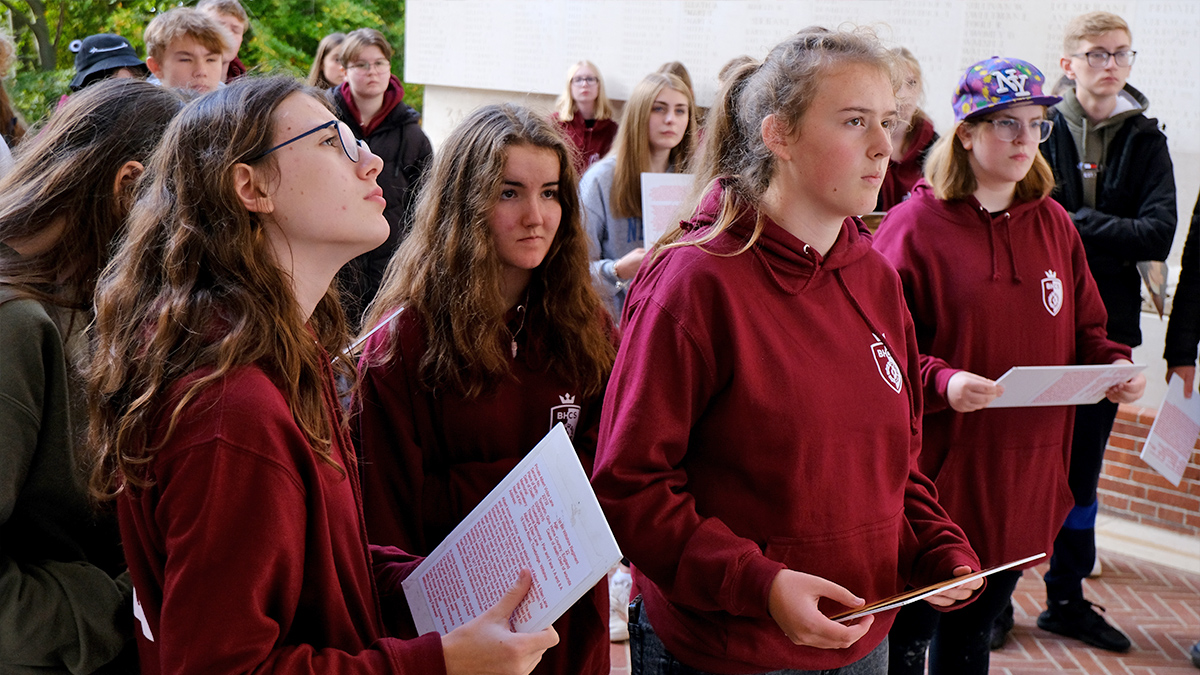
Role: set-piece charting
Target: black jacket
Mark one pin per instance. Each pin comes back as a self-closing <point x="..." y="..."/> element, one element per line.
<point x="406" y="153"/>
<point x="1134" y="218"/>
<point x="1183" y="332"/>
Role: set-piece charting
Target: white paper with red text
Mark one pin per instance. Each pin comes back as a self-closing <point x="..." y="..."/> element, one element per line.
<point x="1173" y="435"/>
<point x="1035" y="386"/>
<point x="542" y="517"/>
<point x="663" y="195"/>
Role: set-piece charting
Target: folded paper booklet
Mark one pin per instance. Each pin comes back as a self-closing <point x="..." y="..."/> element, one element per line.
<point x="542" y="517"/>
<point x="1035" y="386"/>
<point x="909" y="597"/>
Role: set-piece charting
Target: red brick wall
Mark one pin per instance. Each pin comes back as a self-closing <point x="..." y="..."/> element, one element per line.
<point x="1129" y="488"/>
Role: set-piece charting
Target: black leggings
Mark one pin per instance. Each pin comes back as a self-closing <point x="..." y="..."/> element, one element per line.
<point x="958" y="641"/>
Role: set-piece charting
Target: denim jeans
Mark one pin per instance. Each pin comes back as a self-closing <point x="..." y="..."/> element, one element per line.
<point x="648" y="656"/>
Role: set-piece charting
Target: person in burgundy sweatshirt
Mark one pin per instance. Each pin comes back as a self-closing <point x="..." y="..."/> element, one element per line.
<point x="585" y="114"/>
<point x="757" y="453"/>
<point x="499" y="337"/>
<point x="912" y="139"/>
<point x="215" y="415"/>
<point x="995" y="276"/>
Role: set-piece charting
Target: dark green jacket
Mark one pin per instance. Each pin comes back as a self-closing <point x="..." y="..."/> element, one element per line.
<point x="63" y="607"/>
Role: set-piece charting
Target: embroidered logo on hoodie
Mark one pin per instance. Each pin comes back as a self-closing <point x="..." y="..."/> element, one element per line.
<point x="1052" y="293"/>
<point x="567" y="413"/>
<point x="889" y="370"/>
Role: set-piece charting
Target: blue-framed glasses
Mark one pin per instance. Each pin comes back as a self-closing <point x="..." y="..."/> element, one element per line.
<point x="351" y="149"/>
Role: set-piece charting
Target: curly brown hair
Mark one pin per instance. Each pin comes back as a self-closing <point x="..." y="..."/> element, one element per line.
<point x="447" y="270"/>
<point x="195" y="287"/>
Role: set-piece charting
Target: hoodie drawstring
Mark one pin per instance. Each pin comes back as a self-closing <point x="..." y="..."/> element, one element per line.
<point x="914" y="424"/>
<point x="1012" y="255"/>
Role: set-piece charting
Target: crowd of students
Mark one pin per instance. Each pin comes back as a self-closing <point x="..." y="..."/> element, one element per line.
<point x="783" y="414"/>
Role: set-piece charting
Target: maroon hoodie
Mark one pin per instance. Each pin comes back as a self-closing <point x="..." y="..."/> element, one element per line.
<point x="592" y="143"/>
<point x="901" y="176"/>
<point x="429" y="458"/>
<point x="759" y="417"/>
<point x="248" y="552"/>
<point x="988" y="292"/>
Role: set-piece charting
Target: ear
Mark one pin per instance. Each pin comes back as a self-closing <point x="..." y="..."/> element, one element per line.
<point x="127" y="175"/>
<point x="965" y="135"/>
<point x="1068" y="67"/>
<point x="250" y="189"/>
<point x="154" y="66"/>
<point x="775" y="137"/>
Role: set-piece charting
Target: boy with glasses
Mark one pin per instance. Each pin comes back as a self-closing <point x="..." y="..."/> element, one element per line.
<point x="371" y="102"/>
<point x="1114" y="176"/>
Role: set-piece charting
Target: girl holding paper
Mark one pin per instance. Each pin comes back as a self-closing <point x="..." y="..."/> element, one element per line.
<point x="757" y="456"/>
<point x="489" y="334"/>
<point x="995" y="276"/>
<point x="657" y="133"/>
<point x="215" y="415"/>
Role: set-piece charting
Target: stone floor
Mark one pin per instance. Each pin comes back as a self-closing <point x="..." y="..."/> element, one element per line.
<point x="1156" y="605"/>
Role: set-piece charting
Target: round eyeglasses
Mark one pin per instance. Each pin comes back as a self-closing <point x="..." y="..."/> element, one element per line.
<point x="351" y="149"/>
<point x="1009" y="129"/>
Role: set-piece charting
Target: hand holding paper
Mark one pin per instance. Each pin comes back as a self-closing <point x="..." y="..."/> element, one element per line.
<point x="1129" y="390"/>
<point x="967" y="392"/>
<point x="958" y="593"/>
<point x="793" y="604"/>
<point x="488" y="644"/>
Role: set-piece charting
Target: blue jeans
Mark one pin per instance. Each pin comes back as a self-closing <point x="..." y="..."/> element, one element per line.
<point x="648" y="655"/>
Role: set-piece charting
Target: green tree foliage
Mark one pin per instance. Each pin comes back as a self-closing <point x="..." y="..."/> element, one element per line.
<point x="282" y="37"/>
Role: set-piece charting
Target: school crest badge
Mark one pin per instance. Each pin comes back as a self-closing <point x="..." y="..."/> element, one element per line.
<point x="1052" y="293"/>
<point x="889" y="370"/>
<point x="567" y="413"/>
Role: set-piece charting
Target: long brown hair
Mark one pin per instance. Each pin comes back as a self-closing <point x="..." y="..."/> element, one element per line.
<point x="195" y="286"/>
<point x="65" y="177"/>
<point x="784" y="85"/>
<point x="316" y="74"/>
<point x="448" y="271"/>
<point x="632" y="148"/>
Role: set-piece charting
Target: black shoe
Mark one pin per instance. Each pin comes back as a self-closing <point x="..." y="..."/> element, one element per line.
<point x="1001" y="627"/>
<point x="1077" y="619"/>
<point x="1196" y="655"/>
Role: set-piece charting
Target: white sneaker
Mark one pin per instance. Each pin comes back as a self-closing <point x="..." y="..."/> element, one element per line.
<point x="620" y="583"/>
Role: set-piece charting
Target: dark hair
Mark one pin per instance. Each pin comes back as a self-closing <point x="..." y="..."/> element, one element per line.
<point x="65" y="178"/>
<point x="195" y="286"/>
<point x="447" y="270"/>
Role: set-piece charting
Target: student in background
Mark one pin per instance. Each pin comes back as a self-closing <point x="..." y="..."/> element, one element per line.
<point x="735" y="463"/>
<point x="658" y="132"/>
<point x="585" y="114"/>
<point x="1183" y="331"/>
<point x="231" y="15"/>
<point x="501" y="336"/>
<point x="184" y="48"/>
<point x="105" y="55"/>
<point x="371" y="102"/>
<point x="912" y="139"/>
<point x="65" y="601"/>
<point x="327" y="71"/>
<point x="1114" y="177"/>
<point x="214" y="411"/>
<point x="995" y="276"/>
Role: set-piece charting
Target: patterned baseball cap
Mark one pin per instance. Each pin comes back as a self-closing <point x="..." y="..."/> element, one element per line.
<point x="998" y="83"/>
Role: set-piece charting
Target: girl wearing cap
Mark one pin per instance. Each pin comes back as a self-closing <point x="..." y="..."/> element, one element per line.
<point x="995" y="276"/>
<point x="736" y="464"/>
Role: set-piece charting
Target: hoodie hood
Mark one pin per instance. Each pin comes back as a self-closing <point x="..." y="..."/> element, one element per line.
<point x="791" y="263"/>
<point x="391" y="100"/>
<point x="970" y="213"/>
<point x="1092" y="139"/>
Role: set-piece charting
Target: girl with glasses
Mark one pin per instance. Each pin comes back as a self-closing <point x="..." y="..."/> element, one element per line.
<point x="758" y="446"/>
<point x="215" y="417"/>
<point x="995" y="276"/>
<point x="64" y="599"/>
<point x="658" y="133"/>
<point x="499" y="337"/>
<point x="585" y="114"/>
<point x="371" y="102"/>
